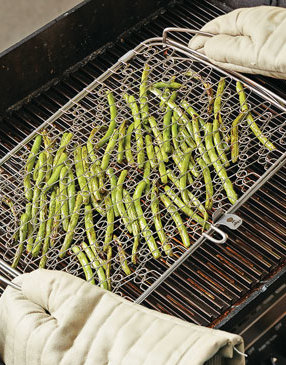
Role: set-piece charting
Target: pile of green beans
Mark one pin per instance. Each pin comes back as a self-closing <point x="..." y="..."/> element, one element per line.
<point x="70" y="185"/>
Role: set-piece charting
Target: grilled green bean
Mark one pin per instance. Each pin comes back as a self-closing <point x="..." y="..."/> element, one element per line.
<point x="119" y="200"/>
<point x="22" y="236"/>
<point x="184" y="208"/>
<point x="33" y="154"/>
<point x="90" y="173"/>
<point x="157" y="221"/>
<point x="49" y="225"/>
<point x="191" y="111"/>
<point x="38" y="185"/>
<point x="72" y="224"/>
<point x="198" y="140"/>
<point x="84" y="264"/>
<point x="49" y="156"/>
<point x="176" y="109"/>
<point x="144" y="110"/>
<point x="161" y="166"/>
<point x="66" y="138"/>
<point x="147" y="233"/>
<point x="208" y="183"/>
<point x="137" y="129"/>
<point x="167" y="125"/>
<point x="56" y="172"/>
<point x="71" y="189"/>
<point x="128" y="150"/>
<point x="122" y="256"/>
<point x="146" y="174"/>
<point x="94" y="182"/>
<point x="217" y="102"/>
<point x="80" y="173"/>
<point x="170" y="85"/>
<point x="109" y="219"/>
<point x="57" y="218"/>
<point x="220" y="170"/>
<point x="89" y="144"/>
<point x="96" y="265"/>
<point x="150" y="151"/>
<point x="187" y="138"/>
<point x="10" y="204"/>
<point x="109" y="148"/>
<point x="234" y="147"/>
<point x="42" y="227"/>
<point x="113" y="187"/>
<point x="28" y="187"/>
<point x="172" y="210"/>
<point x="36" y="170"/>
<point x="64" y="198"/>
<point x="249" y="118"/>
<point x="89" y="227"/>
<point x="218" y="143"/>
<point x="158" y="137"/>
<point x="100" y="175"/>
<point x="121" y="142"/>
<point x="108" y="266"/>
<point x="134" y="223"/>
<point x="113" y="116"/>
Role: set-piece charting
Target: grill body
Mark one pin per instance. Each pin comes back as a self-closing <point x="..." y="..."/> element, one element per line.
<point x="219" y="284"/>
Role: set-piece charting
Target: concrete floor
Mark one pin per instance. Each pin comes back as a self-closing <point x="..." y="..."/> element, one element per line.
<point x="20" y="18"/>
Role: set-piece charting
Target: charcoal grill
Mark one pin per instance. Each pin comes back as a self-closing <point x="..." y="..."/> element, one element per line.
<point x="215" y="284"/>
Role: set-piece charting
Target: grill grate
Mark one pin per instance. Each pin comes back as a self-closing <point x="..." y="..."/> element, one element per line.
<point x="90" y="110"/>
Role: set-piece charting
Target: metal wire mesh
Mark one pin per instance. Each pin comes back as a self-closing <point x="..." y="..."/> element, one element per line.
<point x="90" y="110"/>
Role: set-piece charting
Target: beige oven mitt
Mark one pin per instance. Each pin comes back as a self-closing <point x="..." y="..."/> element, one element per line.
<point x="59" y="319"/>
<point x="251" y="40"/>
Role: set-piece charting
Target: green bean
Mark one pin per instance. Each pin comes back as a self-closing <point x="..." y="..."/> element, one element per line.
<point x="48" y="148"/>
<point x="166" y="94"/>
<point x="184" y="208"/>
<point x="109" y="148"/>
<point x="56" y="172"/>
<point x="121" y="142"/>
<point x="66" y="138"/>
<point x="128" y="150"/>
<point x="144" y="110"/>
<point x="89" y="144"/>
<point x="89" y="227"/>
<point x="161" y="166"/>
<point x="113" y="187"/>
<point x="183" y="177"/>
<point x="64" y="198"/>
<point x="36" y="170"/>
<point x="207" y="87"/>
<point x="234" y="147"/>
<point x="208" y="183"/>
<point x="157" y="221"/>
<point x="150" y="151"/>
<point x="142" y="221"/>
<point x="28" y="187"/>
<point x="187" y="138"/>
<point x="119" y="200"/>
<point x="109" y="219"/>
<point x="217" y="102"/>
<point x="249" y="118"/>
<point x="191" y="111"/>
<point x="80" y="173"/>
<point x="218" y="143"/>
<point x="174" y="130"/>
<point x="167" y="125"/>
<point x="33" y="154"/>
<point x="94" y="182"/>
<point x="198" y="140"/>
<point x="220" y="170"/>
<point x="100" y="176"/>
<point x="170" y="85"/>
<point x="72" y="224"/>
<point x="49" y="225"/>
<point x="146" y="174"/>
<point x="122" y="256"/>
<point x="38" y="185"/>
<point x="96" y="265"/>
<point x="57" y="218"/>
<point x="175" y="108"/>
<point x="71" y="189"/>
<point x="90" y="174"/>
<point x="108" y="266"/>
<point x="84" y="263"/>
<point x="10" y="204"/>
<point x="30" y="238"/>
<point x="113" y="116"/>
<point x="22" y="236"/>
<point x="158" y="137"/>
<point x="131" y="211"/>
<point x="137" y="129"/>
<point x="172" y="210"/>
<point x="42" y="227"/>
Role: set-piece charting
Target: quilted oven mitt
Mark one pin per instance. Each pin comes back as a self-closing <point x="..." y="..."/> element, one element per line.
<point x="251" y="40"/>
<point x="59" y="319"/>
